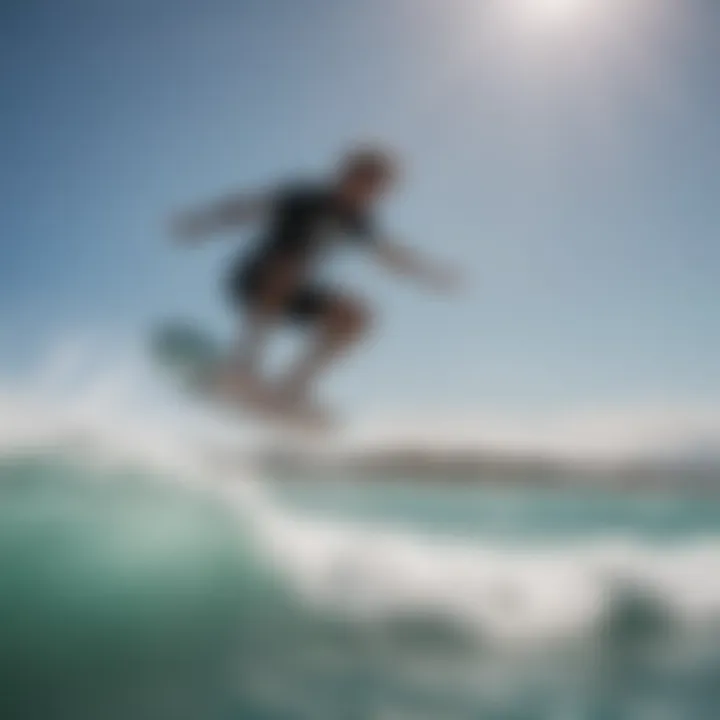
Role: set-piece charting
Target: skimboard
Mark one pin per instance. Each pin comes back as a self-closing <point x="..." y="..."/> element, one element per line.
<point x="198" y="364"/>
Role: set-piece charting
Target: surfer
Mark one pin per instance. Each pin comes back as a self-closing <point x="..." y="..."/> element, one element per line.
<point x="276" y="281"/>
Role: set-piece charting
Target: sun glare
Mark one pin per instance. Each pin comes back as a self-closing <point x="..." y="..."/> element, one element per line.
<point x="555" y="13"/>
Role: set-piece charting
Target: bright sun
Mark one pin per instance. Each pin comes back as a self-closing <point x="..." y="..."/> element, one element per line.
<point x="556" y="12"/>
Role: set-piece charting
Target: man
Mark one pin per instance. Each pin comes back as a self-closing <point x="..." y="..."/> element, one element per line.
<point x="277" y="281"/>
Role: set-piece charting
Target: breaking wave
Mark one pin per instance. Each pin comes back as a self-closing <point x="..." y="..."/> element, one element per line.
<point x="140" y="580"/>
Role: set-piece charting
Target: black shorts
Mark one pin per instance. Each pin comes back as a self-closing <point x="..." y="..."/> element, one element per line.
<point x="308" y="302"/>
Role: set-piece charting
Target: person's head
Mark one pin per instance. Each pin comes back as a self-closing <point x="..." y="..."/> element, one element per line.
<point x="365" y="175"/>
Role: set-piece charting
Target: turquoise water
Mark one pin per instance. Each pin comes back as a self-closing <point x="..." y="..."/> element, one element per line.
<point x="134" y="593"/>
<point x="512" y="513"/>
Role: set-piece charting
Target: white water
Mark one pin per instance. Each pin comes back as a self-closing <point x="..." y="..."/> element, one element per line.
<point x="509" y="594"/>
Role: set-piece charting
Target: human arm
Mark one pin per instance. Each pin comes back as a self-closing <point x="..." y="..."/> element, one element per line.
<point x="406" y="261"/>
<point x="228" y="212"/>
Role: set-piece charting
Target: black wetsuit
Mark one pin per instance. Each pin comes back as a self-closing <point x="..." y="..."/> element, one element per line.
<point x="304" y="220"/>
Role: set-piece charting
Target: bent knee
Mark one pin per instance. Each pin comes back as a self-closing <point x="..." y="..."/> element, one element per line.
<point x="350" y="317"/>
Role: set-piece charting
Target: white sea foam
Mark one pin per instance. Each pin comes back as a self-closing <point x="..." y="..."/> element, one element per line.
<point x="507" y="593"/>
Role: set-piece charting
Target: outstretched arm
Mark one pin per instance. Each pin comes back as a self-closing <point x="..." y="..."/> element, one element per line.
<point x="228" y="212"/>
<point x="409" y="262"/>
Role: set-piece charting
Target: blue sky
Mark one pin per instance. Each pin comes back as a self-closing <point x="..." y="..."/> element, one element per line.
<point x="569" y="165"/>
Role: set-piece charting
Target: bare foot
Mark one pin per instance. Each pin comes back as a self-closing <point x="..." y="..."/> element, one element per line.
<point x="238" y="382"/>
<point x="298" y="408"/>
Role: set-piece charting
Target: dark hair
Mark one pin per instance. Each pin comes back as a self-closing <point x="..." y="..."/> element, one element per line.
<point x="369" y="162"/>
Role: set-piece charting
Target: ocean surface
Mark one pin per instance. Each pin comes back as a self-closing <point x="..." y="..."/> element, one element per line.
<point x="133" y="590"/>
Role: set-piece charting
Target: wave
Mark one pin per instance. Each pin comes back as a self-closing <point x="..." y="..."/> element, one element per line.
<point x="132" y="557"/>
<point x="504" y="592"/>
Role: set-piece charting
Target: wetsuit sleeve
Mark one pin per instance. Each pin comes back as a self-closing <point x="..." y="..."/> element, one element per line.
<point x="292" y="202"/>
<point x="283" y="198"/>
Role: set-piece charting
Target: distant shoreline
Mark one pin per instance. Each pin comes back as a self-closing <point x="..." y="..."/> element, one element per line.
<point x="483" y="467"/>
